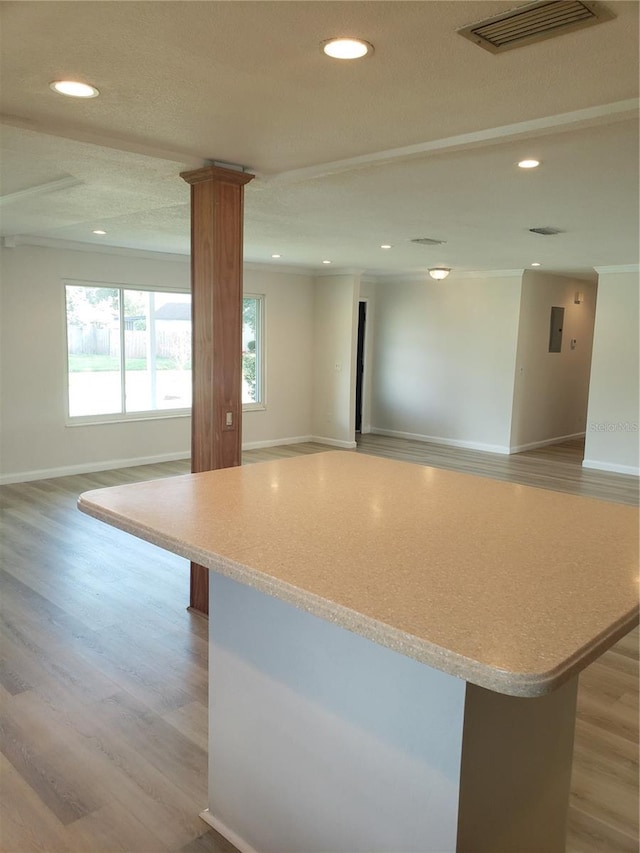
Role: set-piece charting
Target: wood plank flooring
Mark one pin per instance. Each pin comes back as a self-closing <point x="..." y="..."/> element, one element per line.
<point x="103" y="673"/>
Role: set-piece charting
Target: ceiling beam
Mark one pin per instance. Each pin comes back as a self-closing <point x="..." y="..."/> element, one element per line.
<point x="40" y="189"/>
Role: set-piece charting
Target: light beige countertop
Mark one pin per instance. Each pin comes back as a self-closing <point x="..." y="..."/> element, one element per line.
<point x="513" y="588"/>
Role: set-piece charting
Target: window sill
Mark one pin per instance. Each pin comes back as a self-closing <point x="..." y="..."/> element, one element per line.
<point x="163" y="414"/>
<point x="100" y="420"/>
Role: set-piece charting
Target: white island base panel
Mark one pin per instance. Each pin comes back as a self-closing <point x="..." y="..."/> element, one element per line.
<point x="321" y="741"/>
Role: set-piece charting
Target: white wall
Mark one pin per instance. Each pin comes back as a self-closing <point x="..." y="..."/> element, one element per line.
<point x="612" y="415"/>
<point x="444" y="360"/>
<point x="341" y="720"/>
<point x="288" y="359"/>
<point x="34" y="440"/>
<point x="334" y="343"/>
<point x="551" y="388"/>
<point x="439" y="365"/>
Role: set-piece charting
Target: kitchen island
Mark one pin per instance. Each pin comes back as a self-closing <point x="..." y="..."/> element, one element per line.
<point x="394" y="649"/>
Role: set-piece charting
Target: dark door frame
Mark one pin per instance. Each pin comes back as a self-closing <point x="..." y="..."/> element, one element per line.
<point x="360" y="362"/>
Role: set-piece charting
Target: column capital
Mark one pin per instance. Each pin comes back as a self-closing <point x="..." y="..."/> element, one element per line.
<point x="216" y="173"/>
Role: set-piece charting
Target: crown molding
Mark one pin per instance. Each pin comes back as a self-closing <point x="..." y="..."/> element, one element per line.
<point x="325" y="273"/>
<point x="173" y="257"/>
<point x="422" y="275"/>
<point x="66" y="130"/>
<point x="490" y="273"/>
<point x="40" y="189"/>
<point x="281" y="269"/>
<point x="600" y="114"/>
<point x="78" y="246"/>
<point x="618" y="268"/>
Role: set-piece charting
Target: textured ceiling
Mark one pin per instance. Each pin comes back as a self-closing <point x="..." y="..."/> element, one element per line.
<point x="419" y="140"/>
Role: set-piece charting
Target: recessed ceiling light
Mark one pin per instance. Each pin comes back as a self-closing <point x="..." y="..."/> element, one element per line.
<point x="99" y="231"/>
<point x="385" y="246"/>
<point x="326" y="262"/>
<point x="346" y="48"/>
<point x="535" y="264"/>
<point x="529" y="164"/>
<point x="439" y="273"/>
<point x="74" y="89"/>
<point x="276" y="256"/>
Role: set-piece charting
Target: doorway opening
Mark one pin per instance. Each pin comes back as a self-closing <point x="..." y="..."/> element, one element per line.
<point x="362" y="321"/>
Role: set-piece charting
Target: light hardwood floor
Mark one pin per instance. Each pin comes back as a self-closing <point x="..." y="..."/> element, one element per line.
<point x="103" y="676"/>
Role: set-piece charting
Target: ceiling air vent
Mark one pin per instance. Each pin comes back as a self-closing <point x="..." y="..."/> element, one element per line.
<point x="546" y="231"/>
<point x="428" y="241"/>
<point x="534" y="22"/>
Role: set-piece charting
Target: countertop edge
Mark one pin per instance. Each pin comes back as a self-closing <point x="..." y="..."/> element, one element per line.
<point x="523" y="685"/>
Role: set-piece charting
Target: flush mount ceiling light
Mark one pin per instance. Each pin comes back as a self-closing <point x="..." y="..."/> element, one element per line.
<point x="346" y="48"/>
<point x="535" y="264"/>
<point x="276" y="256"/>
<point x="98" y="231"/>
<point x="385" y="246"/>
<point x="73" y="89"/>
<point x="529" y="164"/>
<point x="326" y="262"/>
<point x="439" y="273"/>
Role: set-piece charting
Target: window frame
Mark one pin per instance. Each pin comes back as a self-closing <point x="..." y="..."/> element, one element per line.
<point x="115" y="417"/>
<point x="154" y="414"/>
<point x="261" y="404"/>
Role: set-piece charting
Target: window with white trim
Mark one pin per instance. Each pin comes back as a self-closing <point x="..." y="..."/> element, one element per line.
<point x="129" y="352"/>
<point x="252" y="352"/>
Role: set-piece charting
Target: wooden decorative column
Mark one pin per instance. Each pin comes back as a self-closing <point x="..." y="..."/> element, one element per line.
<point x="217" y="206"/>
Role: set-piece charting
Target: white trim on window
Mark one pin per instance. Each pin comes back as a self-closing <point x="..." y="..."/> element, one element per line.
<point x="128" y="417"/>
<point x="117" y="335"/>
<point x="155" y="414"/>
<point x="260" y="403"/>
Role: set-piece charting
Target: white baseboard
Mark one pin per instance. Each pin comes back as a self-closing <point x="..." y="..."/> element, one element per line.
<point x="239" y="843"/>
<point x="111" y="464"/>
<point x="518" y="448"/>
<point x="334" y="442"/>
<point x="448" y="442"/>
<point x="611" y="467"/>
<point x="276" y="442"/>
<point x="90" y="467"/>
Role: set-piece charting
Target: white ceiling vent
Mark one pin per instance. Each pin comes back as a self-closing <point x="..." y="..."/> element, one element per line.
<point x="534" y="22"/>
